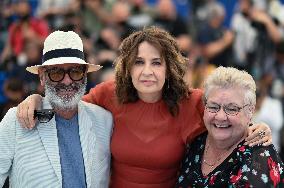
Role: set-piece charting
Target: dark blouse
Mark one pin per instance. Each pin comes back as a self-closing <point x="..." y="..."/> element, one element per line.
<point x="258" y="167"/>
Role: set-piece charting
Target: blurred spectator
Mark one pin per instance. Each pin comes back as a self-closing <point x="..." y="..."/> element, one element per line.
<point x="105" y="52"/>
<point x="93" y="14"/>
<point x="214" y="39"/>
<point x="256" y="35"/>
<point x="120" y="14"/>
<point x="108" y="39"/>
<point x="14" y="91"/>
<point x="141" y="14"/>
<point x="199" y="9"/>
<point x="277" y="74"/>
<point x="245" y="35"/>
<point x="15" y="68"/>
<point x="182" y="6"/>
<point x="6" y="17"/>
<point x="185" y="44"/>
<point x="29" y="57"/>
<point x="97" y="14"/>
<point x="198" y="14"/>
<point x="269" y="110"/>
<point x="26" y="28"/>
<point x="168" y="19"/>
<point x="53" y="11"/>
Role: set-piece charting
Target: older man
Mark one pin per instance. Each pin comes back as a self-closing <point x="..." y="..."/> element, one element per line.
<point x="70" y="148"/>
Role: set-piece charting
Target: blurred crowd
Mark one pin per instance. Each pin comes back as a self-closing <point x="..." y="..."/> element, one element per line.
<point x="246" y="34"/>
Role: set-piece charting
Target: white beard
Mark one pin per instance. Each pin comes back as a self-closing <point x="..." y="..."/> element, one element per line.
<point x="65" y="102"/>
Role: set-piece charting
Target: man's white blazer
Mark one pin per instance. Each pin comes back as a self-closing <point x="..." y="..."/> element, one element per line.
<point x="31" y="157"/>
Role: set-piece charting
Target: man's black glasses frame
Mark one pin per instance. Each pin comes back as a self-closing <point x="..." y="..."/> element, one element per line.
<point x="44" y="116"/>
<point x="74" y="73"/>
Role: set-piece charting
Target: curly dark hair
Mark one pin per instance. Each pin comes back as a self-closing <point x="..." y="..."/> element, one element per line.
<point x="170" y="53"/>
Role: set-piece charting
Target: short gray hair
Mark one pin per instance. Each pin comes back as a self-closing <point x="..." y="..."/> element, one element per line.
<point x="215" y="9"/>
<point x="228" y="77"/>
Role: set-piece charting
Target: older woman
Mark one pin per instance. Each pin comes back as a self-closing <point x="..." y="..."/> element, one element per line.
<point x="154" y="112"/>
<point x="219" y="157"/>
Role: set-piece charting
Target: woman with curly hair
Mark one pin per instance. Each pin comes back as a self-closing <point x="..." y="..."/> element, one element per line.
<point x="155" y="113"/>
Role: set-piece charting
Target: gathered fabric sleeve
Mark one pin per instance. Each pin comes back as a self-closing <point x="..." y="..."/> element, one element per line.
<point x="263" y="169"/>
<point x="7" y="144"/>
<point x="102" y="94"/>
<point x="192" y="110"/>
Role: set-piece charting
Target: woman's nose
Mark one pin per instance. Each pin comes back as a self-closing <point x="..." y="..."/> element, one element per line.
<point x="147" y="70"/>
<point x="221" y="114"/>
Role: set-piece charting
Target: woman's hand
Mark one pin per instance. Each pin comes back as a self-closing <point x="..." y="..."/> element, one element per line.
<point x="25" y="110"/>
<point x="259" y="133"/>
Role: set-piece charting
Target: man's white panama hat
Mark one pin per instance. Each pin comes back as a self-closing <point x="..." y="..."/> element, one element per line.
<point x="63" y="47"/>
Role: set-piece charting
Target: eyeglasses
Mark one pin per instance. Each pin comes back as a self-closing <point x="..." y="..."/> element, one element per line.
<point x="229" y="109"/>
<point x="44" y="116"/>
<point x="58" y="74"/>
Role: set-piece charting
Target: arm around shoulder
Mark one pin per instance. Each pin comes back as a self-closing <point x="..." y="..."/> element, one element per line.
<point x="102" y="94"/>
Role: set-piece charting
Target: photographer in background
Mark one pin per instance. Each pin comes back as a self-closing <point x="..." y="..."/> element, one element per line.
<point x="256" y="34"/>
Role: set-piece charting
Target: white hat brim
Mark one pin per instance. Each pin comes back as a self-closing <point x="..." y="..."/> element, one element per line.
<point x="63" y="60"/>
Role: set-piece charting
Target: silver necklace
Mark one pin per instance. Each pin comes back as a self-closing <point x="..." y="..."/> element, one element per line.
<point x="214" y="163"/>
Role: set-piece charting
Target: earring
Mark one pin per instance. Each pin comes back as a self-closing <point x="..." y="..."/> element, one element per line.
<point x="168" y="84"/>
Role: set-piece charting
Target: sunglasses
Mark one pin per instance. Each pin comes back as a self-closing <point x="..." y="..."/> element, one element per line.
<point x="74" y="73"/>
<point x="44" y="116"/>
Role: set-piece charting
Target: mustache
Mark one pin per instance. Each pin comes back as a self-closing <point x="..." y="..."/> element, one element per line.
<point x="63" y="87"/>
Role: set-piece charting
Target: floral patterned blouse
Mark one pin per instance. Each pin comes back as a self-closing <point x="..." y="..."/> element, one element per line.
<point x="258" y="167"/>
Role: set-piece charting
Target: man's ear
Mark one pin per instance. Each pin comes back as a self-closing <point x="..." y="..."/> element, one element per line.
<point x="41" y="76"/>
